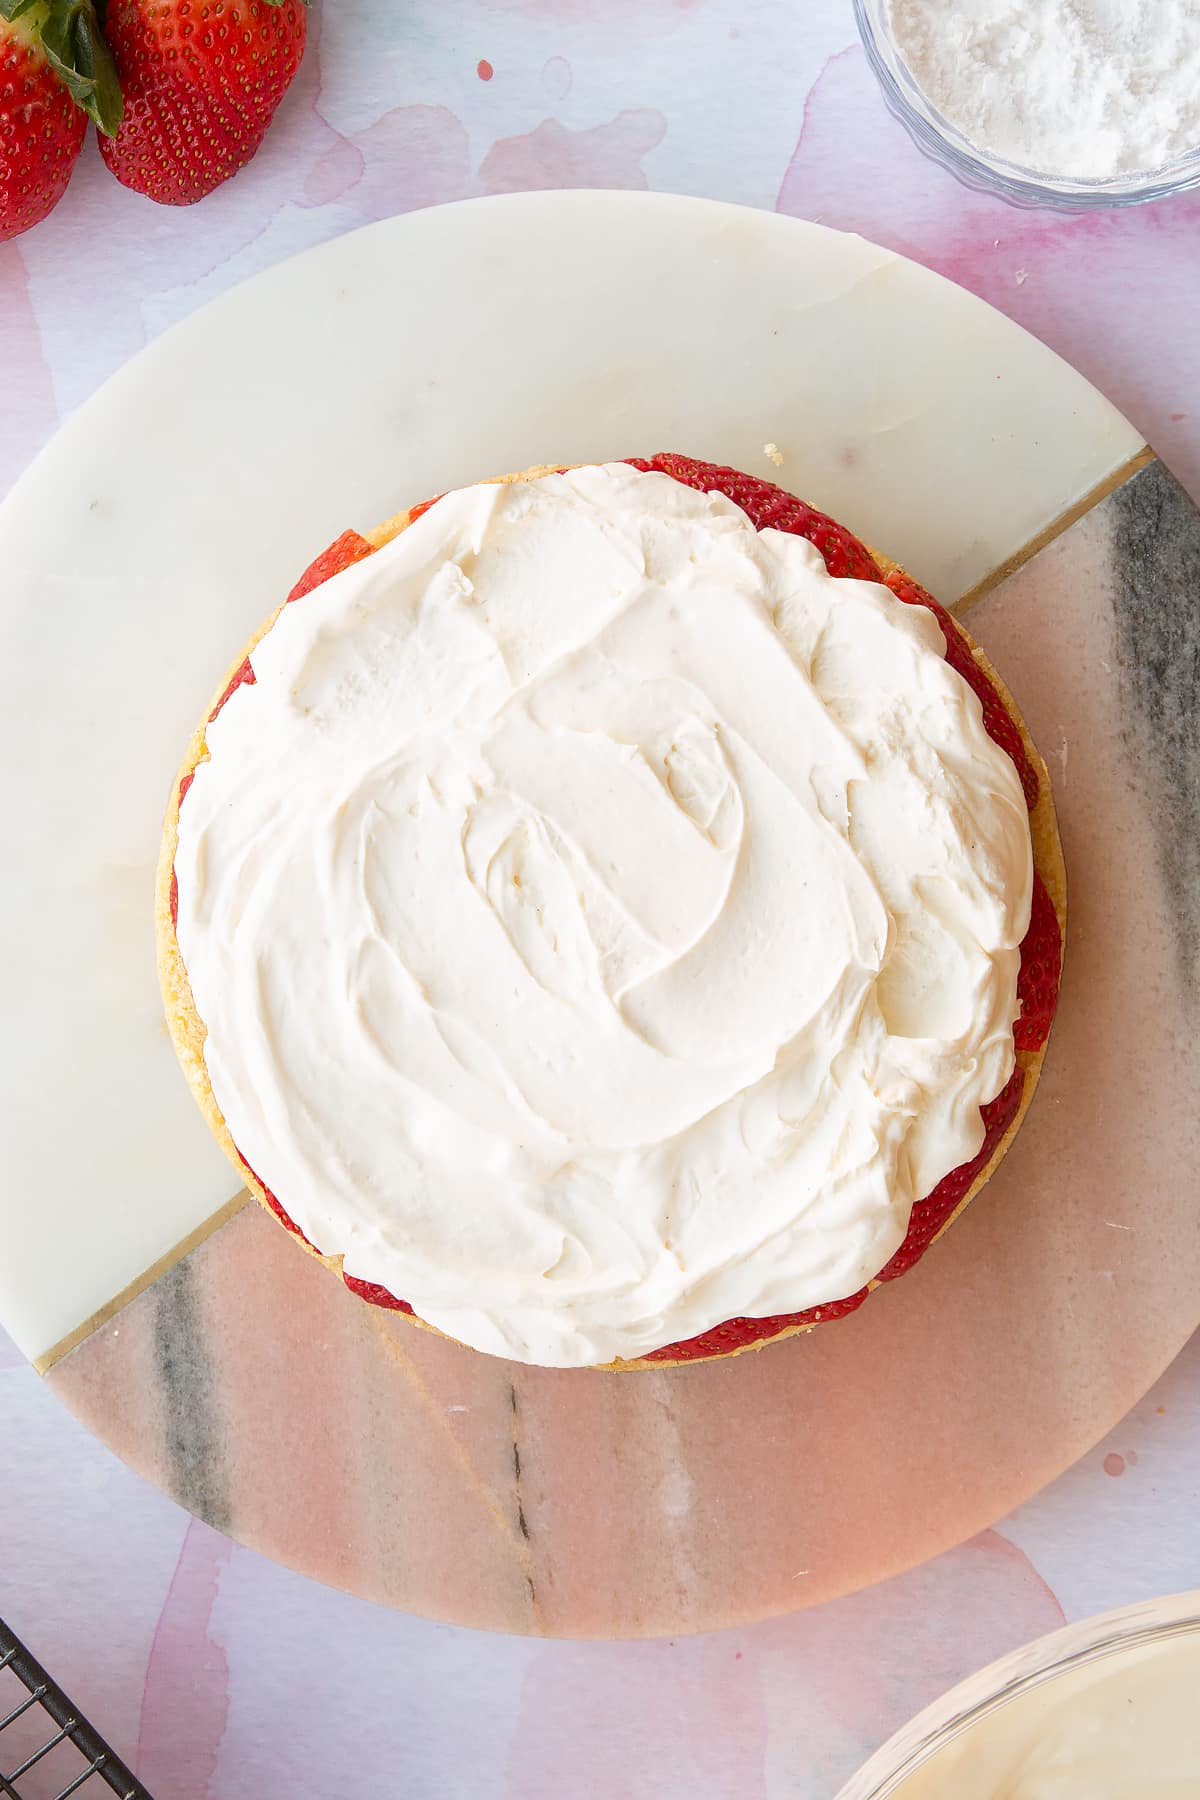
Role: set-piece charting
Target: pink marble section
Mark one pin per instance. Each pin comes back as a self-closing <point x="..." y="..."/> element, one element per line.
<point x="278" y="1407"/>
<point x="382" y="1459"/>
<point x="804" y="1698"/>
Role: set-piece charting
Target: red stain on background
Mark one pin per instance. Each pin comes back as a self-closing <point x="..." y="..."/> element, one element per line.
<point x="334" y="173"/>
<point x="1114" y="1464"/>
<point x="484" y="69"/>
<point x="652" y="15"/>
<point x="31" y="395"/>
<point x="553" y="156"/>
<point x="413" y="156"/>
<point x="185" y="1700"/>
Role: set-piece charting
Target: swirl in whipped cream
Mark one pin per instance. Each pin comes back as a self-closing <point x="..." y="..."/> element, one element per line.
<point x="605" y="922"/>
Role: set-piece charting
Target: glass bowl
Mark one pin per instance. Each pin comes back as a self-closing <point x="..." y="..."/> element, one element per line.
<point x="975" y="168"/>
<point x="1006" y="1681"/>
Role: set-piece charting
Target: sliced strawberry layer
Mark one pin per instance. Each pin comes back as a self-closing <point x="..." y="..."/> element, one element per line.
<point x="375" y="1295"/>
<point x="345" y="550"/>
<point x="366" y="1290"/>
<point x="929" y="1215"/>
<point x="283" y="1217"/>
<point x="770" y="507"/>
<point x="1041" y="971"/>
<point x="350" y="548"/>
<point x="416" y="511"/>
<point x="736" y="1334"/>
<point x="243" y="676"/>
<point x="184" y="785"/>
<point x="996" y="721"/>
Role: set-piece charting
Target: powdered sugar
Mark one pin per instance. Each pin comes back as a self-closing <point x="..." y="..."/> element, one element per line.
<point x="1080" y="88"/>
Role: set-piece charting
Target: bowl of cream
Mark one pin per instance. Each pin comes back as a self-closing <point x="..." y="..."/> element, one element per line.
<point x="1103" y="1710"/>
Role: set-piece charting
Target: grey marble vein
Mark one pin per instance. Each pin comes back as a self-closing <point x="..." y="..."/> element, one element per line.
<point x="195" y="1461"/>
<point x="1157" y="642"/>
<point x="522" y="1521"/>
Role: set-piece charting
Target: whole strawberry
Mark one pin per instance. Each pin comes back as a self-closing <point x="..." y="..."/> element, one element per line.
<point x="201" y="80"/>
<point x="54" y="72"/>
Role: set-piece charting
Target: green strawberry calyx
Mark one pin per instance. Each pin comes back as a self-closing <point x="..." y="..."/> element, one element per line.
<point x="70" y="36"/>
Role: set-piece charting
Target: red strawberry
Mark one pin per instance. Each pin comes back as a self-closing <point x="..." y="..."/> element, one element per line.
<point x="1041" y="970"/>
<point x="347" y="549"/>
<point x="374" y="1295"/>
<point x="202" y="79"/>
<point x="184" y="785"/>
<point x="424" y="507"/>
<point x="243" y="675"/>
<point x="735" y="1334"/>
<point x="929" y="1215"/>
<point x="996" y="721"/>
<point x="370" y="1291"/>
<point x="767" y="506"/>
<point x="55" y="72"/>
<point x="351" y="547"/>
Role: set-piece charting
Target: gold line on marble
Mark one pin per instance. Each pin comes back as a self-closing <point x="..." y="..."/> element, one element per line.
<point x="1119" y="476"/>
<point x="119" y="1302"/>
<point x="475" y="1481"/>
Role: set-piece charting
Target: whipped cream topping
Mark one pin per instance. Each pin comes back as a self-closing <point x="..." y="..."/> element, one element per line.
<point x="605" y="922"/>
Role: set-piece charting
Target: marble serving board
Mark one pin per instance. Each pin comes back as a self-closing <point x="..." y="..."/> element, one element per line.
<point x="180" y="1323"/>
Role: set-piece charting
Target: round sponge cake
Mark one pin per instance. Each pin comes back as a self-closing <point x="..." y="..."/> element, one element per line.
<point x="1041" y="955"/>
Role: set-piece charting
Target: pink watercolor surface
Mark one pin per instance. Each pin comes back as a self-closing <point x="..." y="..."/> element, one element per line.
<point x="224" y="1675"/>
<point x="218" y="1673"/>
<point x="1111" y="291"/>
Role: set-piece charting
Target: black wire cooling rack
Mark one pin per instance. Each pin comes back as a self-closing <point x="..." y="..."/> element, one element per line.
<point x="45" y="1742"/>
